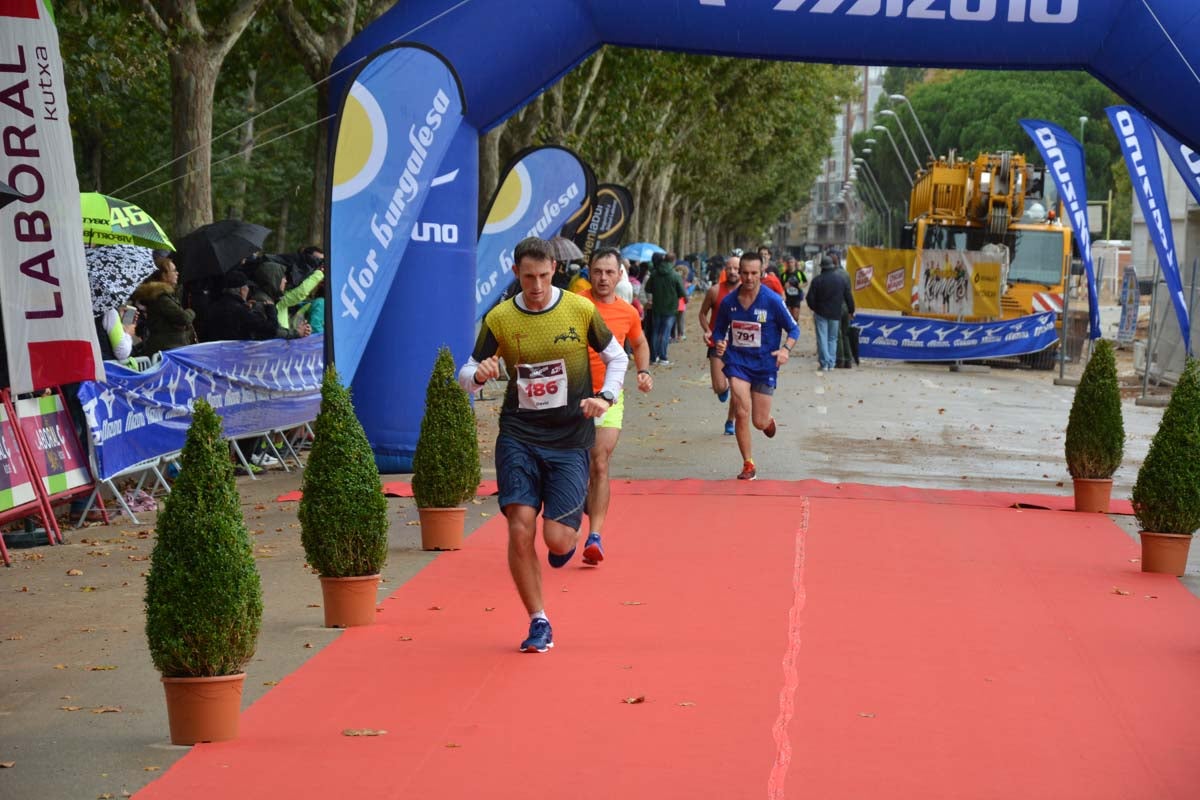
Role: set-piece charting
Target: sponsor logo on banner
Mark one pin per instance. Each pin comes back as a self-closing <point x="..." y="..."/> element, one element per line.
<point x="542" y="188"/>
<point x="1064" y="158"/>
<point x="895" y="281"/>
<point x="958" y="283"/>
<point x="48" y="325"/>
<point x="918" y="339"/>
<point x="1141" y="157"/>
<point x="863" y="276"/>
<point x="1054" y="12"/>
<point x="1131" y="298"/>
<point x="1185" y="159"/>
<point x="391" y="138"/>
<point x="254" y="386"/>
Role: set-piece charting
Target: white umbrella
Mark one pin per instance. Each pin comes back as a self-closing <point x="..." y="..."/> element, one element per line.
<point x="114" y="271"/>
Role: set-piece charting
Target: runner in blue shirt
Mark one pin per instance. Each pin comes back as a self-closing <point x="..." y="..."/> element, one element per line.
<point x="747" y="334"/>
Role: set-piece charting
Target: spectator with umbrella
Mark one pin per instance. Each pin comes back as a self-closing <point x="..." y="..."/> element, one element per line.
<point x="210" y="251"/>
<point x="168" y="323"/>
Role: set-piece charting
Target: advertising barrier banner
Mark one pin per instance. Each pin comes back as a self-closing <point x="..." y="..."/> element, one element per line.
<point x="1141" y="157"/>
<point x="254" y="387"/>
<point x="923" y="339"/>
<point x="881" y="279"/>
<point x="48" y="327"/>
<point x="540" y="190"/>
<point x="959" y="283"/>
<point x="1131" y="298"/>
<point x="611" y="210"/>
<point x="16" y="484"/>
<point x="1064" y="159"/>
<point x="395" y="128"/>
<point x="53" y="445"/>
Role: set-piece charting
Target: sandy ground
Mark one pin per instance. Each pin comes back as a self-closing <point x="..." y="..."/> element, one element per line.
<point x="81" y="709"/>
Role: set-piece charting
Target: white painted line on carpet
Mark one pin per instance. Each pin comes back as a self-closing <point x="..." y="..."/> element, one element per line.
<point x="791" y="676"/>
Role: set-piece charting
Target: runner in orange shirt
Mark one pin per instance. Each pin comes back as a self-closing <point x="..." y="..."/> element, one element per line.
<point x="622" y="319"/>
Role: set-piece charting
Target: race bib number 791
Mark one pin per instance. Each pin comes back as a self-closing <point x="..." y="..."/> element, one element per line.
<point x="542" y="386"/>
<point x="746" y="334"/>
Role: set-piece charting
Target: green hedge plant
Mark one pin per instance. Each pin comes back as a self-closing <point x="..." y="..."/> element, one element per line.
<point x="203" y="595"/>
<point x="1166" y="496"/>
<point x="446" y="462"/>
<point x="343" y="513"/>
<point x="1095" y="430"/>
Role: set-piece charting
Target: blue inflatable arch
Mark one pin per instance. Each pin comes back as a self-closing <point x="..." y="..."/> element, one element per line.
<point x="506" y="52"/>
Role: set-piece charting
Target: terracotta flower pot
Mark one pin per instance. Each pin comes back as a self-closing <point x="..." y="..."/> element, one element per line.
<point x="1166" y="553"/>
<point x="442" y="528"/>
<point x="349" y="601"/>
<point x="204" y="709"/>
<point x="1092" y="494"/>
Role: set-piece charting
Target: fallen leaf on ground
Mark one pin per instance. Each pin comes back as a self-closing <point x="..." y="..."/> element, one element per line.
<point x="101" y="668"/>
<point x="435" y="608"/>
<point x="87" y="589"/>
<point x="484" y="514"/>
<point x="308" y="645"/>
<point x="866" y="714"/>
<point x="631" y="602"/>
<point x="7" y="764"/>
<point x="686" y="703"/>
<point x="1120" y="591"/>
<point x="270" y="683"/>
<point x="138" y="558"/>
<point x="70" y="708"/>
<point x="15" y="637"/>
<point x="452" y="744"/>
<point x="412" y="522"/>
<point x="151" y="769"/>
<point x="489" y="608"/>
<point x="1150" y="597"/>
<point x="363" y="732"/>
<point x="106" y="710"/>
<point x="314" y="605"/>
<point x="74" y="572"/>
<point x="476" y="502"/>
<point x="633" y="701"/>
<point x="406" y="638"/>
<point x="60" y="666"/>
<point x="105" y="796"/>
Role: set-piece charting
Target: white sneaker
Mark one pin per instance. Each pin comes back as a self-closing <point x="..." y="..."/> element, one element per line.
<point x="264" y="460"/>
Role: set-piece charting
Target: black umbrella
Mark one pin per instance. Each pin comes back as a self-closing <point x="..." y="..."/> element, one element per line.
<point x="9" y="195"/>
<point x="218" y="247"/>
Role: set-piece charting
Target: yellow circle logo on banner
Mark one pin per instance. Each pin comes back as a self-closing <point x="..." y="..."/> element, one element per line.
<point x="362" y="144"/>
<point x="512" y="201"/>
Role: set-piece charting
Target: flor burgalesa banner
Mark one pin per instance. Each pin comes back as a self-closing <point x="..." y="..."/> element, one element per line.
<point x="540" y="190"/>
<point x="398" y="119"/>
<point x="254" y="386"/>
<point x="1141" y="157"/>
<point x="1064" y="158"/>
<point x="48" y="327"/>
<point x="925" y="339"/>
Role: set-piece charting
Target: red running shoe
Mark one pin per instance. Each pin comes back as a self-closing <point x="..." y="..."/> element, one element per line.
<point x="748" y="473"/>
<point x="770" y="429"/>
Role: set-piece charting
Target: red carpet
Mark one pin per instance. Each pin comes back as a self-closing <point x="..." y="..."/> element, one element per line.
<point x="808" y="488"/>
<point x="785" y="647"/>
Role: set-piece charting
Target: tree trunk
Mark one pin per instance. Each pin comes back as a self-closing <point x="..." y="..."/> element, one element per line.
<point x="193" y="80"/>
<point x="237" y="204"/>
<point x="281" y="230"/>
<point x="489" y="166"/>
<point x="320" y="165"/>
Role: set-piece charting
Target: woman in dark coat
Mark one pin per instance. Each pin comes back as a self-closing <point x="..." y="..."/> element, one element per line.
<point x="169" y="323"/>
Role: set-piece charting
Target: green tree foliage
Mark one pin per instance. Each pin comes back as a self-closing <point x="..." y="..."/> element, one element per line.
<point x="1166" y="496"/>
<point x="343" y="513"/>
<point x="446" y="462"/>
<point x="203" y="596"/>
<point x="1095" y="429"/>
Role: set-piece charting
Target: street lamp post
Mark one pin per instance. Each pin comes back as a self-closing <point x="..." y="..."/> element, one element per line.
<point x="899" y="98"/>
<point x="1082" y="122"/>
<point x="889" y="113"/>
<point x="874" y="183"/>
<point x="895" y="147"/>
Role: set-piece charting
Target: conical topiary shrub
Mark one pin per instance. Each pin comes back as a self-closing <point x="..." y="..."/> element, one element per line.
<point x="343" y="513"/>
<point x="203" y="595"/>
<point x="1166" y="496"/>
<point x="1096" y="431"/>
<point x="446" y="461"/>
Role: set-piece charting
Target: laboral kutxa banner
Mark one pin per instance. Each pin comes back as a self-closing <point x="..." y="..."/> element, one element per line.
<point x="53" y="446"/>
<point x="925" y="339"/>
<point x="16" y="483"/>
<point x="540" y="189"/>
<point x="48" y="327"/>
<point x="396" y="124"/>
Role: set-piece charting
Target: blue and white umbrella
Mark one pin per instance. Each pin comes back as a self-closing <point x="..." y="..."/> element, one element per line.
<point x="641" y="251"/>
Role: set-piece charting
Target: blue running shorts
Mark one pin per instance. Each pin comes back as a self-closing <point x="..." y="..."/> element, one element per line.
<point x="552" y="481"/>
<point x="761" y="381"/>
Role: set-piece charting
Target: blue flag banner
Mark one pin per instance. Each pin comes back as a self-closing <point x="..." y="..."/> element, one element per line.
<point x="1185" y="159"/>
<point x="926" y="339"/>
<point x="1141" y="157"/>
<point x="540" y="190"/>
<point x="395" y="127"/>
<point x="254" y="386"/>
<point x="1064" y="159"/>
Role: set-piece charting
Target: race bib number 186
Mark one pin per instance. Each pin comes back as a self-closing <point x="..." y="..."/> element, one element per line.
<point x="542" y="386"/>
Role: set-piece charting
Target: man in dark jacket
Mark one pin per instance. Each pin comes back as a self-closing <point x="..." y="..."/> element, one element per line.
<point x="665" y="287"/>
<point x="230" y="317"/>
<point x="826" y="295"/>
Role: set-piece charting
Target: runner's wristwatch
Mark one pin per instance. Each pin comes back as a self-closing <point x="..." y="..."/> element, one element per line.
<point x="607" y="396"/>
